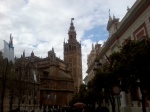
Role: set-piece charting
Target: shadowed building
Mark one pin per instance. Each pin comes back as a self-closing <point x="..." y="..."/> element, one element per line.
<point x="58" y="79"/>
<point x="134" y="26"/>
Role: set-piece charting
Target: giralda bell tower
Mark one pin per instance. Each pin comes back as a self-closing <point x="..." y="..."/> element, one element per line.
<point x="73" y="55"/>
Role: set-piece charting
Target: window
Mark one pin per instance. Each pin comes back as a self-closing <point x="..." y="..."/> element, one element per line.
<point x="140" y="32"/>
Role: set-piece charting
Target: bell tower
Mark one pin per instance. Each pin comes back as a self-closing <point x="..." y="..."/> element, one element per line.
<point x="73" y="56"/>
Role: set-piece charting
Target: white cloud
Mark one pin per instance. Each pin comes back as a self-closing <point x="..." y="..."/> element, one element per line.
<point x="39" y="25"/>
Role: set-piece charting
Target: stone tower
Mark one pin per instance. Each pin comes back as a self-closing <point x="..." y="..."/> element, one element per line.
<point x="73" y="56"/>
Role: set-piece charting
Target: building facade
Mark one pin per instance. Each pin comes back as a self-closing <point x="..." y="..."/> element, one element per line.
<point x="56" y="82"/>
<point x="48" y="82"/>
<point x="50" y="78"/>
<point x="59" y="79"/>
<point x="134" y="26"/>
<point x="90" y="61"/>
<point x="28" y="83"/>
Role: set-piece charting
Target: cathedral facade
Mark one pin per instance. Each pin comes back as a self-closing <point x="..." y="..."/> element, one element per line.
<point x="57" y="80"/>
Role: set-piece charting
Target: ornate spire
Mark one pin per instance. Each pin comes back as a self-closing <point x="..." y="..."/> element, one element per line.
<point x="113" y="16"/>
<point x="92" y="47"/>
<point x="128" y="9"/>
<point x="24" y="53"/>
<point x="32" y="54"/>
<point x="51" y="55"/>
<point x="110" y="18"/>
<point x="72" y="19"/>
<point x="111" y="21"/>
<point x="72" y="32"/>
<point x="71" y="25"/>
<point x="11" y="40"/>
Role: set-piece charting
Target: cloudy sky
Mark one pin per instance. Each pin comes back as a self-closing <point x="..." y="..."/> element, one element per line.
<point x="39" y="25"/>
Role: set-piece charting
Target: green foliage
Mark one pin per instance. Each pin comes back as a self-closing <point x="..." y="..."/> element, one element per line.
<point x="86" y="94"/>
<point x="132" y="60"/>
<point x="130" y="63"/>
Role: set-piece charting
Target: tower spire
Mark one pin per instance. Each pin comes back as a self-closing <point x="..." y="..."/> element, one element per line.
<point x="72" y="20"/>
<point x="71" y="25"/>
<point x="11" y="40"/>
<point x="24" y="53"/>
<point x="72" y="32"/>
<point x="109" y="15"/>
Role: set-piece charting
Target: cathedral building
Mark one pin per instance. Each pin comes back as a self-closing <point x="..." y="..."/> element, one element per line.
<point x="56" y="80"/>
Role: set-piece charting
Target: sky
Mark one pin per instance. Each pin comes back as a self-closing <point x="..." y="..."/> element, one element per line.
<point x="39" y="25"/>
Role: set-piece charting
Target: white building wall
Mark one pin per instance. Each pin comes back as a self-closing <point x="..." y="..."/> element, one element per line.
<point x="143" y="18"/>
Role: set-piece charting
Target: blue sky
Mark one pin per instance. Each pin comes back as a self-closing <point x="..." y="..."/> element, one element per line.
<point x="39" y="25"/>
<point x="97" y="33"/>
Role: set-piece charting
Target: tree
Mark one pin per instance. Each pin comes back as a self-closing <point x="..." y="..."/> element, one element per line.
<point x="11" y="84"/>
<point x="3" y="74"/>
<point x="132" y="63"/>
<point x="104" y="81"/>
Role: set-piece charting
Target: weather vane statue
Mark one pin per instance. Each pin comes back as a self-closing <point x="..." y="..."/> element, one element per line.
<point x="72" y="19"/>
